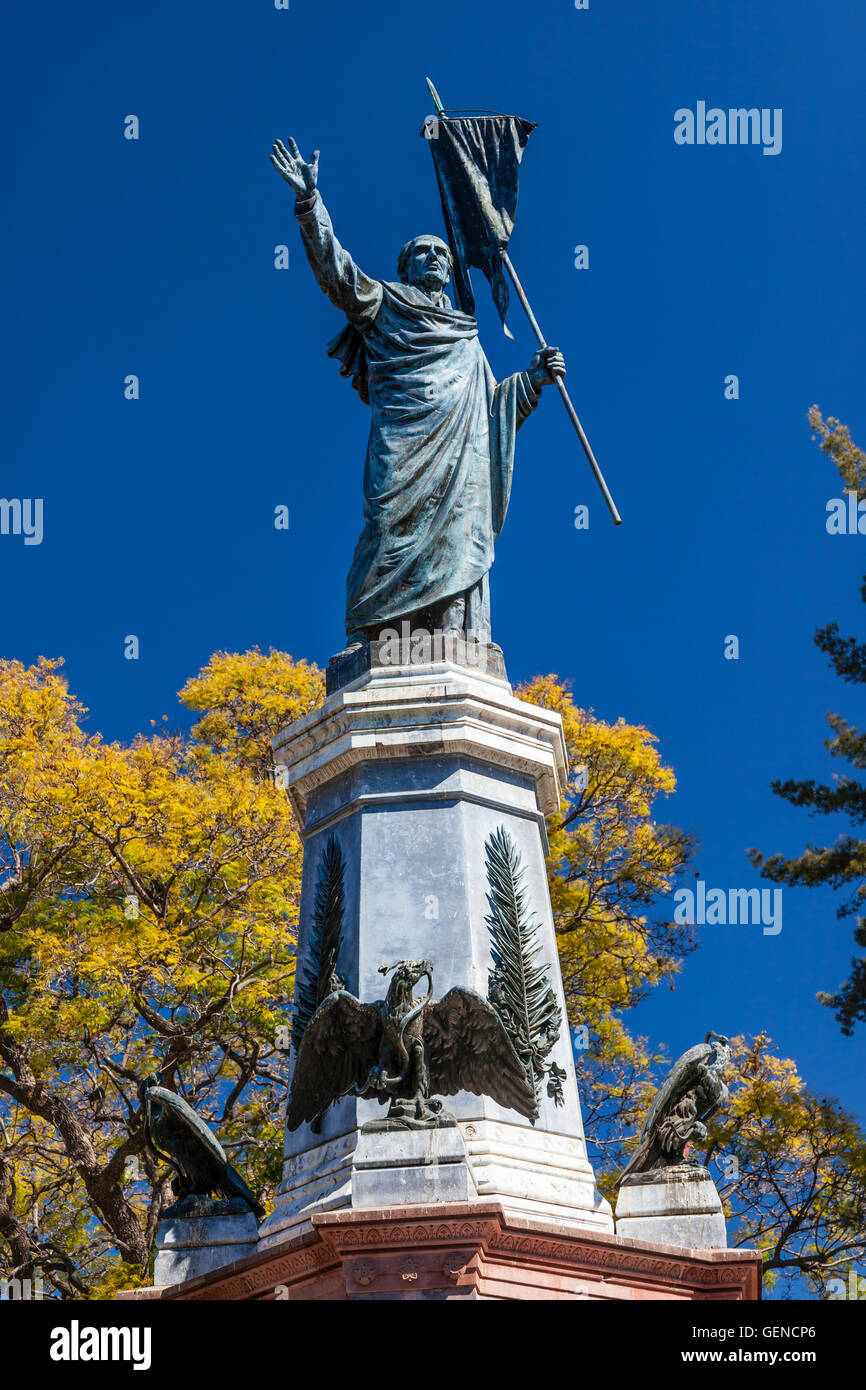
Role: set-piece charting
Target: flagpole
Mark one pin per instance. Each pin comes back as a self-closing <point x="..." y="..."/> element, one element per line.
<point x="560" y="386"/>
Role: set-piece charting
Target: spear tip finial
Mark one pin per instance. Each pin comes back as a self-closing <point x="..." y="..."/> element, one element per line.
<point x="437" y="100"/>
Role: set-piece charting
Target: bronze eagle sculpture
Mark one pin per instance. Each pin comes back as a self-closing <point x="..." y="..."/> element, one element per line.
<point x="404" y="1050"/>
<point x="691" y="1093"/>
<point x="178" y="1135"/>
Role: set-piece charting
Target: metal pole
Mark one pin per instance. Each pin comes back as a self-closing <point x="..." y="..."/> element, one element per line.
<point x="560" y="386"/>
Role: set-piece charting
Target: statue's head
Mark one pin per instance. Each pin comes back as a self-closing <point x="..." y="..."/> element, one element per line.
<point x="425" y="261"/>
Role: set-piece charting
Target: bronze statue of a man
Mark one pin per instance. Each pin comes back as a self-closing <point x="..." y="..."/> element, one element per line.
<point x="440" y="456"/>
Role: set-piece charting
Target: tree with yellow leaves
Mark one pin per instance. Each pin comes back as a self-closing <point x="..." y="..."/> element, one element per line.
<point x="610" y="863"/>
<point x="148" y="910"/>
<point x="791" y="1169"/>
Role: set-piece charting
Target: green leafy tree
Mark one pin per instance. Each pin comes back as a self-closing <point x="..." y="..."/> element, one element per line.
<point x="791" y="1167"/>
<point x="842" y="865"/>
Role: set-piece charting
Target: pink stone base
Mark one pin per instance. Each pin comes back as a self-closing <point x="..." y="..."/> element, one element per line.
<point x="468" y="1250"/>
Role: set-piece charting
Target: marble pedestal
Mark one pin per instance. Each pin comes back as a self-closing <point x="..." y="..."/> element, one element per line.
<point x="187" y="1247"/>
<point x="402" y="1167"/>
<point x="682" y="1207"/>
<point x="412" y="769"/>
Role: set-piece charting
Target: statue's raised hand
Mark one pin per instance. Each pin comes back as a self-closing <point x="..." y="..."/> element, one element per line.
<point x="297" y="173"/>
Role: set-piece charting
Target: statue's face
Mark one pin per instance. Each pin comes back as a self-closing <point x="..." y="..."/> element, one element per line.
<point x="428" y="264"/>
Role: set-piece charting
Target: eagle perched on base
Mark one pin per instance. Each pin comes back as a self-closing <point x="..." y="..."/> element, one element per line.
<point x="402" y="1050"/>
<point x="180" y="1136"/>
<point x="692" y="1092"/>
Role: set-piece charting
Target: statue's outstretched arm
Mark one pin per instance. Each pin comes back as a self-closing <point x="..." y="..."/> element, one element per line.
<point x="344" y="282"/>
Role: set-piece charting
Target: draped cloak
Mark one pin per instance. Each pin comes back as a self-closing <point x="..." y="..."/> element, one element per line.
<point x="437" y="476"/>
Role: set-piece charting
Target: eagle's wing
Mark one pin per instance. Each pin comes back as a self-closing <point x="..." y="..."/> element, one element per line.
<point x="682" y="1076"/>
<point x="192" y="1124"/>
<point x="340" y="1045"/>
<point x="469" y="1050"/>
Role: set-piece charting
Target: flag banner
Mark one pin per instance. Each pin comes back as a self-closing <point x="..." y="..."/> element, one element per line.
<point x="477" y="159"/>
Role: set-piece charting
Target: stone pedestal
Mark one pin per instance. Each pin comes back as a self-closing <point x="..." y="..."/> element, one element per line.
<point x="681" y="1207"/>
<point x="348" y="666"/>
<point x="187" y="1247"/>
<point x="468" y="1251"/>
<point x="412" y="769"/>
<point x="401" y="1167"/>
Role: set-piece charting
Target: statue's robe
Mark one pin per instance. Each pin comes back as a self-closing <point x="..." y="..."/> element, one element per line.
<point x="440" y="456"/>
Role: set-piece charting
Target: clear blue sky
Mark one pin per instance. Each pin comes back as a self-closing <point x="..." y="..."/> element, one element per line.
<point x="155" y="257"/>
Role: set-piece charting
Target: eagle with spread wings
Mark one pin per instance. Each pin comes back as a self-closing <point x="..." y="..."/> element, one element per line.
<point x="402" y="1051"/>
